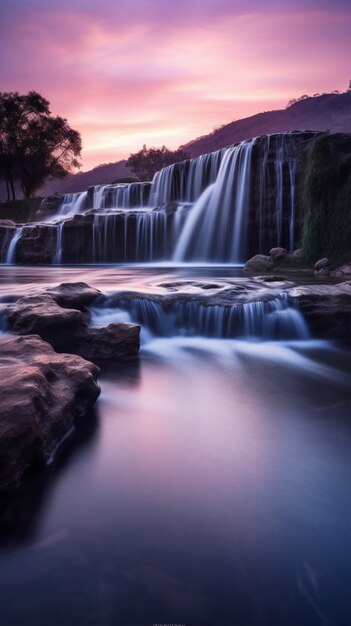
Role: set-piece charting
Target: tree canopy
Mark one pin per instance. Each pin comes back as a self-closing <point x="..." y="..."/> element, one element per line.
<point x="145" y="163"/>
<point x="34" y="144"/>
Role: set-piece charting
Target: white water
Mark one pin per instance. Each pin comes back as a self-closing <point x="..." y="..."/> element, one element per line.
<point x="11" y="252"/>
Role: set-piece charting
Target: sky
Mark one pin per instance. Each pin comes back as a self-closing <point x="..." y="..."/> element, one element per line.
<point x="132" y="72"/>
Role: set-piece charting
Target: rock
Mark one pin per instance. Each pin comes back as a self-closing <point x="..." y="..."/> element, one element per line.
<point x="342" y="272"/>
<point x="50" y="206"/>
<point x="324" y="271"/>
<point x="271" y="278"/>
<point x="75" y="295"/>
<point x="321" y="264"/>
<point x="116" y="341"/>
<point x="258" y="263"/>
<point x="67" y="329"/>
<point x="327" y="308"/>
<point x="43" y="316"/>
<point x="298" y="253"/>
<point x="41" y="393"/>
<point x="277" y="254"/>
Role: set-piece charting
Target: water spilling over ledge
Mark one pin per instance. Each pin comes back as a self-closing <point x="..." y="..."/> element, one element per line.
<point x="218" y="208"/>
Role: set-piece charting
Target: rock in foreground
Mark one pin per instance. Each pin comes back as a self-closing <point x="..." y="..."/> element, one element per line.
<point x="41" y="393"/>
<point x="67" y="329"/>
<point x="327" y="308"/>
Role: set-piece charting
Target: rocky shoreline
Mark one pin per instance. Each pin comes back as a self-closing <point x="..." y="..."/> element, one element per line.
<point x="47" y="377"/>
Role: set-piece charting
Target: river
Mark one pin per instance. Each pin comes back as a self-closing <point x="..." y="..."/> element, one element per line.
<point x="210" y="485"/>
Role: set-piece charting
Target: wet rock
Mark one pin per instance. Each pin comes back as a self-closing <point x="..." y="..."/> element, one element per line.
<point x="298" y="253"/>
<point x="41" y="393"/>
<point x="277" y="254"/>
<point x="270" y="278"/>
<point x="75" y="295"/>
<point x="258" y="263"/>
<point x="327" y="308"/>
<point x="116" y="341"/>
<point x="344" y="271"/>
<point x="49" y="206"/>
<point x="43" y="316"/>
<point x="67" y="329"/>
<point x="321" y="264"/>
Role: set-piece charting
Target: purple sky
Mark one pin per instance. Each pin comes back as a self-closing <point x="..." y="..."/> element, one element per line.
<point x="130" y="72"/>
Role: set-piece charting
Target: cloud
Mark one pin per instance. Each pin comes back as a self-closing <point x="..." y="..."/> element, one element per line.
<point x="126" y="73"/>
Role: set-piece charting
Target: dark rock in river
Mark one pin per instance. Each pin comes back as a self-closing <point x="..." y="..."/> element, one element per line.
<point x="258" y="263"/>
<point x="321" y="264"/>
<point x="67" y="329"/>
<point x="41" y="393"/>
<point x="327" y="308"/>
<point x="75" y="295"/>
<point x="277" y="254"/>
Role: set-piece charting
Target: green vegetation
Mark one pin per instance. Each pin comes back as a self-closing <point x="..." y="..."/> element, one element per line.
<point x="19" y="210"/>
<point x="327" y="199"/>
<point x="34" y="145"/>
<point x="145" y="163"/>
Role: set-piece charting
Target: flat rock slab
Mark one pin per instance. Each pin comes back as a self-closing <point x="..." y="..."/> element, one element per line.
<point x="41" y="393"/>
<point x="327" y="308"/>
<point x="75" y="295"/>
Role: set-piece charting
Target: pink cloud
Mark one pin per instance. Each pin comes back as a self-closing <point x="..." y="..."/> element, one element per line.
<point x="125" y="79"/>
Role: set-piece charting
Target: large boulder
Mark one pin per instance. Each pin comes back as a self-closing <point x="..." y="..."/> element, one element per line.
<point x="258" y="263"/>
<point x="327" y="308"/>
<point x="67" y="329"/>
<point x="75" y="295"/>
<point x="41" y="315"/>
<point x="277" y="254"/>
<point x="41" y="393"/>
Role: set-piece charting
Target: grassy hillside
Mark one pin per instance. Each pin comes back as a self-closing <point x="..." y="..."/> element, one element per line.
<point x="327" y="112"/>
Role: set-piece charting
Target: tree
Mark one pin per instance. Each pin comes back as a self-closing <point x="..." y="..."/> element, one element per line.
<point x="34" y="145"/>
<point x="349" y="87"/>
<point x="145" y="163"/>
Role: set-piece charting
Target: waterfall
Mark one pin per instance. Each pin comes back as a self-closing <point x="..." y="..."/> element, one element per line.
<point x="221" y="207"/>
<point x="185" y="181"/>
<point x="269" y="319"/>
<point x="216" y="226"/>
<point x="11" y="252"/>
<point x="58" y="255"/>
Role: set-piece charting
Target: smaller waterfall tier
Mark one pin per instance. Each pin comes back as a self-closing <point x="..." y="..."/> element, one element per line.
<point x="271" y="318"/>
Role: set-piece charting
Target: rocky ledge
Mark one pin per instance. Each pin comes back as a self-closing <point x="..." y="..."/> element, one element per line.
<point x="59" y="316"/>
<point x="41" y="393"/>
<point x="45" y="383"/>
<point x="327" y="309"/>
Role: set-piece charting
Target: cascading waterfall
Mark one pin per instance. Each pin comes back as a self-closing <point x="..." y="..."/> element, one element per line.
<point x="11" y="252"/>
<point x="221" y="207"/>
<point x="263" y="319"/>
<point x="216" y="226"/>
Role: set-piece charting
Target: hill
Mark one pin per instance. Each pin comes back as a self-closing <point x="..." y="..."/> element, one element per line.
<point x="326" y="112"/>
<point x="100" y="175"/>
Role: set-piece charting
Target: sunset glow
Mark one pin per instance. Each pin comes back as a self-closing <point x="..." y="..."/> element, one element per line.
<point x="159" y="72"/>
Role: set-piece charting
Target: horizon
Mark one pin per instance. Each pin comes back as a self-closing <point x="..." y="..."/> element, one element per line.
<point x="155" y="74"/>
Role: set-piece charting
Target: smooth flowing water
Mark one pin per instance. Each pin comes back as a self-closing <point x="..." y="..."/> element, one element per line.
<point x="210" y="486"/>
